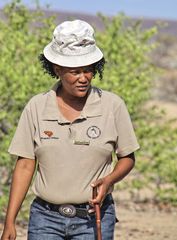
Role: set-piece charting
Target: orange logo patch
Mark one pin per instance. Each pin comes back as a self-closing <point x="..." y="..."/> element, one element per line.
<point x="48" y="133"/>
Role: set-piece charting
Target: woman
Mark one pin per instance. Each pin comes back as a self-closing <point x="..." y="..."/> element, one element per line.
<point x="70" y="132"/>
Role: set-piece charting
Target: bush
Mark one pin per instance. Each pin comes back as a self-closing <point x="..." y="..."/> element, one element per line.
<point x="128" y="72"/>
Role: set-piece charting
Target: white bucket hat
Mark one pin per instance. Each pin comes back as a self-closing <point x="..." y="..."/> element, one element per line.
<point x="73" y="45"/>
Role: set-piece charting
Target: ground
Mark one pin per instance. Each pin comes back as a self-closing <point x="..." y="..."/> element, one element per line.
<point x="137" y="222"/>
<point x="147" y="223"/>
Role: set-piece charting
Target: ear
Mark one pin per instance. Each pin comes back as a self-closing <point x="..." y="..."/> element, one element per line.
<point x="57" y="69"/>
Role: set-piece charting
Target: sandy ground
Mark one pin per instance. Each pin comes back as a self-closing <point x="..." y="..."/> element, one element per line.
<point x="149" y="224"/>
<point x="137" y="222"/>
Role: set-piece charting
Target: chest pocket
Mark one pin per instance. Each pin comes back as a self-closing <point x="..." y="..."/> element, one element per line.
<point x="49" y="133"/>
<point x="96" y="137"/>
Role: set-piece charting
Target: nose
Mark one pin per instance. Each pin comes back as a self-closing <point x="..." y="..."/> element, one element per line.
<point x="82" y="77"/>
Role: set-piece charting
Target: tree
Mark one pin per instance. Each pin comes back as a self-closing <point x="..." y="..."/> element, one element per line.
<point x="128" y="72"/>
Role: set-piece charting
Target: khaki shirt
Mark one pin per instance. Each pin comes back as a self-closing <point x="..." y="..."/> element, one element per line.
<point x="71" y="155"/>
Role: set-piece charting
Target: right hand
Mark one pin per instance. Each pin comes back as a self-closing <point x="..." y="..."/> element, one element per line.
<point x="9" y="232"/>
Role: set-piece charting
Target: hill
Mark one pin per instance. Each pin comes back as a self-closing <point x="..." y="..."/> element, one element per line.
<point x="168" y="26"/>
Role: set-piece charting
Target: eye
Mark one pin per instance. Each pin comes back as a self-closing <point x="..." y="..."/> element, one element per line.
<point x="74" y="72"/>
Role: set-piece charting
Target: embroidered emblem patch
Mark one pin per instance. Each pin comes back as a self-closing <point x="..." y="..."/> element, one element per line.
<point x="93" y="132"/>
<point x="49" y="136"/>
<point x="48" y="133"/>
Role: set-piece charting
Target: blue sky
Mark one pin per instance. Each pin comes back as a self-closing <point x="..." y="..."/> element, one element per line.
<point x="135" y="8"/>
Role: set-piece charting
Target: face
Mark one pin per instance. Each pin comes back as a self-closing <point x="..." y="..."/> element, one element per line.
<point x="75" y="81"/>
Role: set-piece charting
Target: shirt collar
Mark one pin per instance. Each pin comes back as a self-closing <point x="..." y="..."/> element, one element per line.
<point x="92" y="106"/>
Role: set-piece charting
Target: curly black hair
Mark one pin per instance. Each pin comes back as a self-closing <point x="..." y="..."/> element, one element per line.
<point x="47" y="66"/>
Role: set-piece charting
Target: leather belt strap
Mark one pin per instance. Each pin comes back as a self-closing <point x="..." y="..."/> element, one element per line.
<point x="71" y="210"/>
<point x="66" y="210"/>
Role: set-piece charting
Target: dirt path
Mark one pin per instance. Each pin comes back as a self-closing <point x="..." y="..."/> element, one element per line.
<point x="147" y="225"/>
<point x="137" y="222"/>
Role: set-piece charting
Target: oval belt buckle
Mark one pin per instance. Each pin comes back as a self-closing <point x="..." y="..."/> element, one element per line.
<point x="67" y="210"/>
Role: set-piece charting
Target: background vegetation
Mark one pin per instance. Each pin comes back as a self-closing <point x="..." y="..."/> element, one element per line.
<point x="129" y="72"/>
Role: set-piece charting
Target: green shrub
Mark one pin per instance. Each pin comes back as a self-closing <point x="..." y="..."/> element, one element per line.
<point x="128" y="72"/>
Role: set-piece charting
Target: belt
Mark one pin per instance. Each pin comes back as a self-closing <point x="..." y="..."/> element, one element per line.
<point x="71" y="210"/>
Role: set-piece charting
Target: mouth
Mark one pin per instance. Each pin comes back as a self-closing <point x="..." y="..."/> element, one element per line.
<point x="82" y="88"/>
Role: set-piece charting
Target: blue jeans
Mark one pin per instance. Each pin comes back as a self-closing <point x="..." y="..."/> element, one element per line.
<point x="49" y="225"/>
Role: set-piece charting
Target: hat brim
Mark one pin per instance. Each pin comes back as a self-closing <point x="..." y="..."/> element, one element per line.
<point x="72" y="61"/>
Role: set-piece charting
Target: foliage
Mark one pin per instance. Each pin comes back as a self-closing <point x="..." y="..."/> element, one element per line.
<point x="22" y="37"/>
<point x="128" y="72"/>
<point x="19" y="69"/>
<point x="160" y="150"/>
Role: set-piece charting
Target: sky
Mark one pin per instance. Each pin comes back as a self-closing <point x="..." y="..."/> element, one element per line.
<point x="162" y="9"/>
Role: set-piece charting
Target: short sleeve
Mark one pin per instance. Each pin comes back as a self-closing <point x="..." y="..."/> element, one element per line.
<point x="126" y="138"/>
<point x="22" y="143"/>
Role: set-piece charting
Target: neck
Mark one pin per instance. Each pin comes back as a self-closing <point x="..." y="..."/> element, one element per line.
<point x="72" y="101"/>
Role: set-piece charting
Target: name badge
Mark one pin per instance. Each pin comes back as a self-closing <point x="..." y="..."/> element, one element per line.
<point x="76" y="142"/>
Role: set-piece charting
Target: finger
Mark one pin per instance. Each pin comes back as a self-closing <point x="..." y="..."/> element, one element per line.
<point x="12" y="237"/>
<point x="97" y="183"/>
<point x="91" y="210"/>
<point x="91" y="203"/>
<point x="98" y="200"/>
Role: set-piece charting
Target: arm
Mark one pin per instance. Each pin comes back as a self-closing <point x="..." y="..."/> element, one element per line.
<point x="121" y="169"/>
<point x="21" y="180"/>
